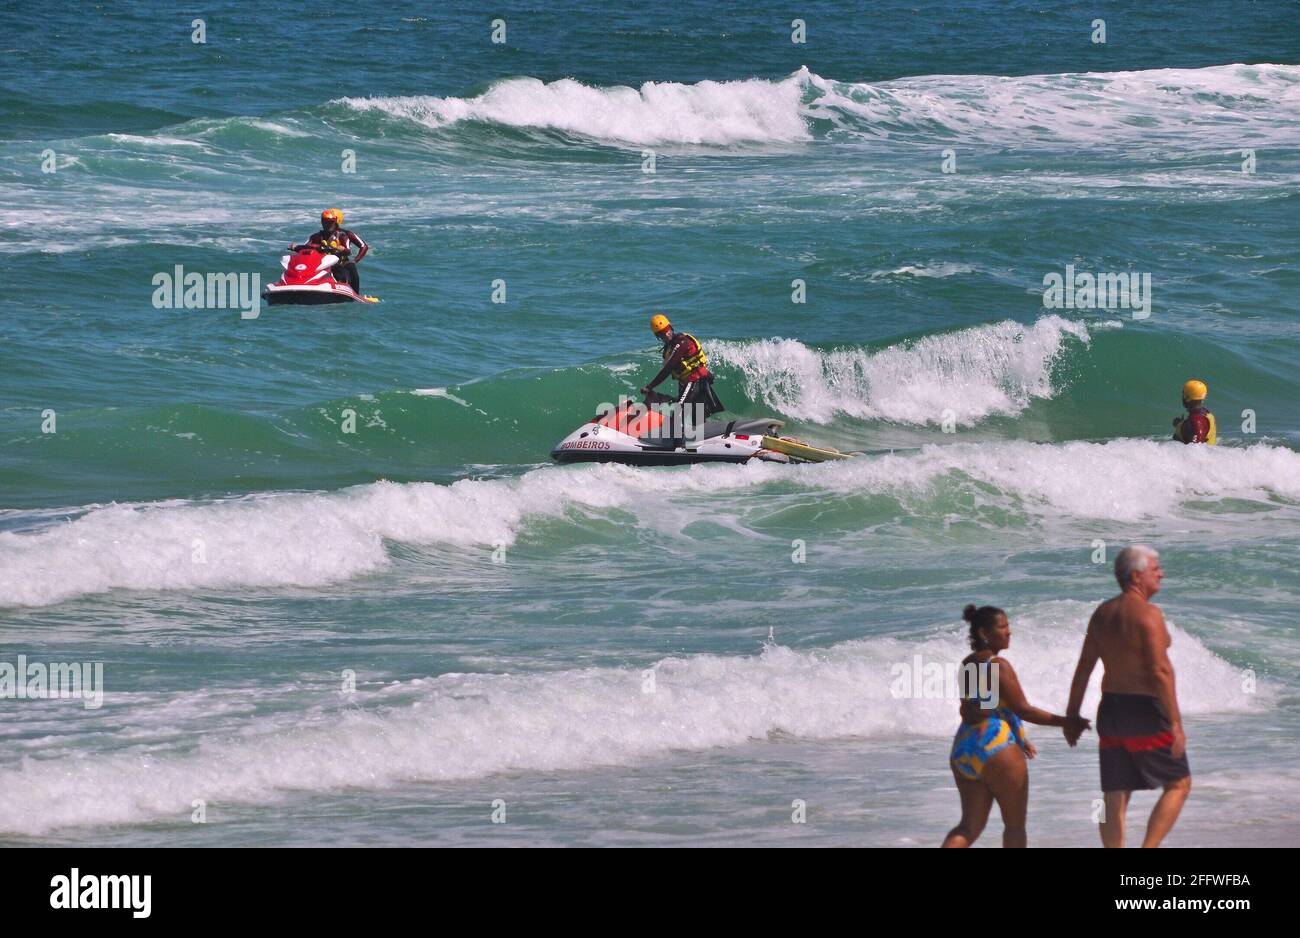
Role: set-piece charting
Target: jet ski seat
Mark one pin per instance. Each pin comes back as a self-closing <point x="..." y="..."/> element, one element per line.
<point x="746" y="425"/>
<point x="753" y="426"/>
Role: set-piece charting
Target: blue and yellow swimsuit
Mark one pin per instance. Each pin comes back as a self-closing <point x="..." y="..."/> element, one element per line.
<point x="976" y="743"/>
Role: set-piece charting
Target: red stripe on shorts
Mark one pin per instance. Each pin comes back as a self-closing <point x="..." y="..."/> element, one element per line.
<point x="1138" y="743"/>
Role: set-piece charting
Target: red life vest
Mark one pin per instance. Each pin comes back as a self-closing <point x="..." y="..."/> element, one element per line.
<point x="1198" y="427"/>
<point x="694" y="365"/>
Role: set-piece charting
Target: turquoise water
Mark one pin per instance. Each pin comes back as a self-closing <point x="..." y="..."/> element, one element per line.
<point x="201" y="523"/>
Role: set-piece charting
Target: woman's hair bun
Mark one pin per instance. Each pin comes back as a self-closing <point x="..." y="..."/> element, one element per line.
<point x="968" y="614"/>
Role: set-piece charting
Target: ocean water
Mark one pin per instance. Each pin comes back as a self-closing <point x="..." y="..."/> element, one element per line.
<point x="618" y="655"/>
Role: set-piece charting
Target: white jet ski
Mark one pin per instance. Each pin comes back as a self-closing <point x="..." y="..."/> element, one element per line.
<point x="637" y="435"/>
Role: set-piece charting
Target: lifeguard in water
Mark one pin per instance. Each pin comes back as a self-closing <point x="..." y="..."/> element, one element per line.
<point x="1198" y="426"/>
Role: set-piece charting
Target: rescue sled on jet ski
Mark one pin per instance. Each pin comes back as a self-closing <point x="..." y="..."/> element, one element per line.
<point x="309" y="280"/>
<point x="638" y="435"/>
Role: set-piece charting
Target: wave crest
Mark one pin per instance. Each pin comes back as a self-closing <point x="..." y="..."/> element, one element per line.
<point x="964" y="376"/>
<point x="1244" y="102"/>
<point x="314" y="539"/>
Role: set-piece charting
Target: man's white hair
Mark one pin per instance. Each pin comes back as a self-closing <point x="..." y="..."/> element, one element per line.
<point x="1133" y="560"/>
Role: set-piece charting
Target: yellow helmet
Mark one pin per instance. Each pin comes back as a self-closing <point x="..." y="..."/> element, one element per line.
<point x="659" y="322"/>
<point x="1195" y="390"/>
<point x="332" y="214"/>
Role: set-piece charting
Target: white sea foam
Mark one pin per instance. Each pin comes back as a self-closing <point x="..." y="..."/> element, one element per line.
<point x="1245" y="103"/>
<point x="439" y="392"/>
<point x="1121" y="481"/>
<point x="1227" y="104"/>
<point x="937" y="271"/>
<point x="969" y="374"/>
<point x="275" y="127"/>
<point x="710" y="112"/>
<point x="155" y="140"/>
<point x="314" y="539"/>
<point x="470" y="726"/>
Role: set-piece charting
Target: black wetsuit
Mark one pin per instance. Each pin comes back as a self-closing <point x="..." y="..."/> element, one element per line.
<point x="340" y="241"/>
<point x="696" y="400"/>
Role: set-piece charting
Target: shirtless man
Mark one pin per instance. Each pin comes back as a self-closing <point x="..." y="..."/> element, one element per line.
<point x="1141" y="731"/>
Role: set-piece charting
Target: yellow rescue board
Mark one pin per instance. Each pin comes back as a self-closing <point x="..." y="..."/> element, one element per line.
<point x="780" y="444"/>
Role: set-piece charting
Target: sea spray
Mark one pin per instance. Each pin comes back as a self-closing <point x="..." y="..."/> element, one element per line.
<point x="971" y="373"/>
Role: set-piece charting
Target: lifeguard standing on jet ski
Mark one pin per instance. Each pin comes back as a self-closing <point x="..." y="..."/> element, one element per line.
<point x="685" y="360"/>
<point x="334" y="239"/>
<point x="1198" y="426"/>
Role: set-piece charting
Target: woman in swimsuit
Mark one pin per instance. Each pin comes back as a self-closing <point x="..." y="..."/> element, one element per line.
<point x="990" y="748"/>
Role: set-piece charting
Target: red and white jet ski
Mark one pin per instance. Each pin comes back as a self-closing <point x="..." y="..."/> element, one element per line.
<point x="637" y="435"/>
<point x="308" y="280"/>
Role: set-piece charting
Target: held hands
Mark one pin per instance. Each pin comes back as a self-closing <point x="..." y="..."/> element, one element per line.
<point x="1073" y="728"/>
<point x="1030" y="749"/>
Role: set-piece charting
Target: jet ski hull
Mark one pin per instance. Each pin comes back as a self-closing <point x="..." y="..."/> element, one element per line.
<point x="647" y="457"/>
<point x="309" y="281"/>
<point x="316" y="295"/>
<point x="636" y="437"/>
